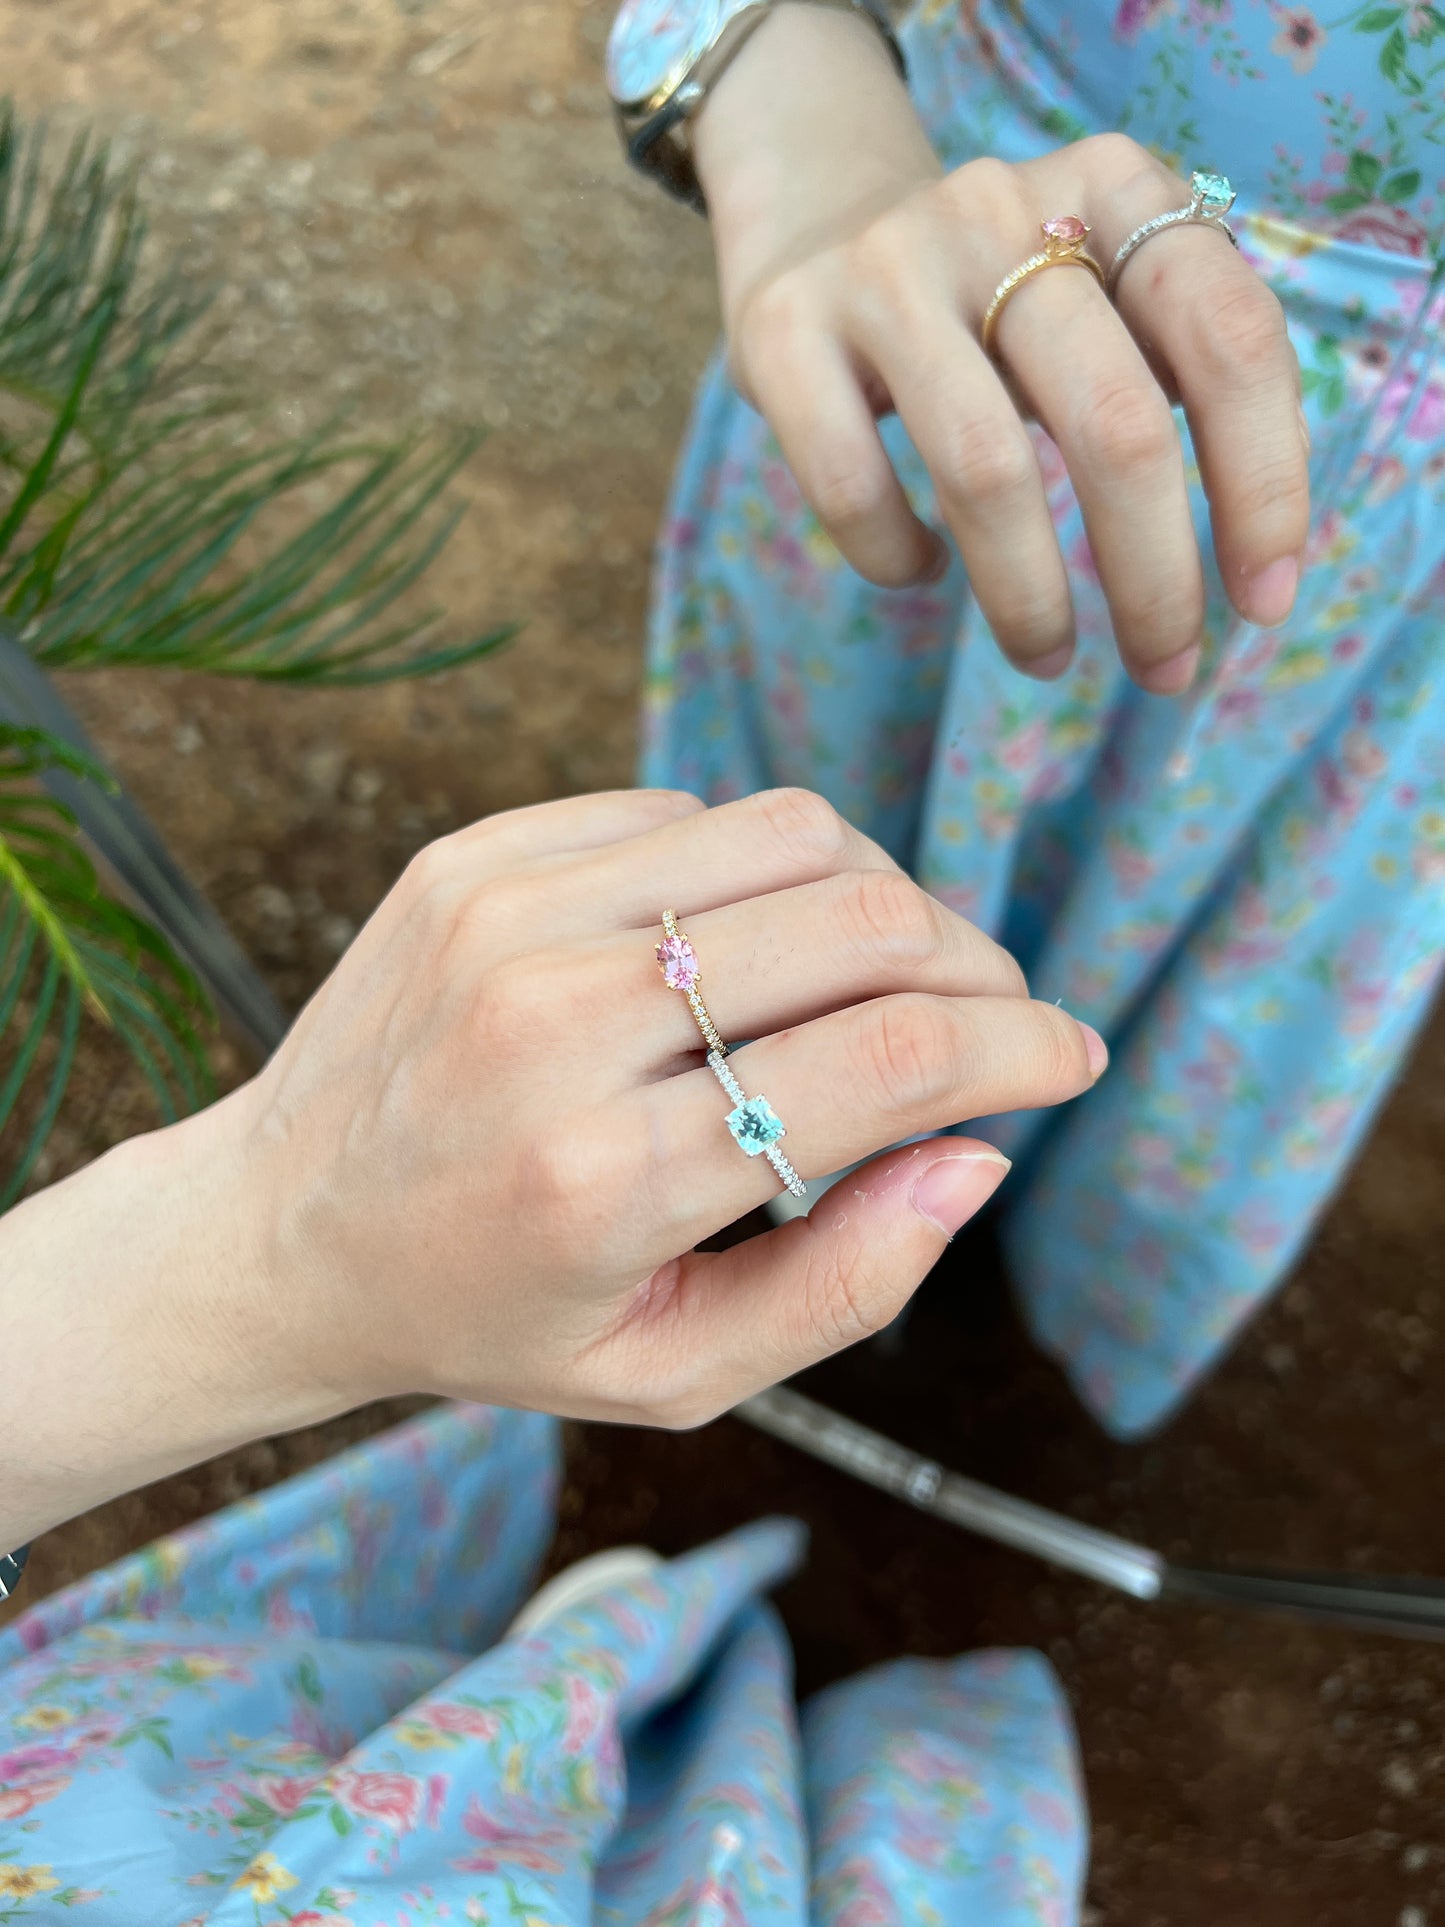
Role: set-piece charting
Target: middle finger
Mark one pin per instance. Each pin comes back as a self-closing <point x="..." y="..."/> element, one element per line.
<point x="1114" y="428"/>
<point x="786" y="959"/>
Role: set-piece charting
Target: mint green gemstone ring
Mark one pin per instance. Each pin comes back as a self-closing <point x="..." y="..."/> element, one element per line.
<point x="1210" y="198"/>
<point x="755" y="1125"/>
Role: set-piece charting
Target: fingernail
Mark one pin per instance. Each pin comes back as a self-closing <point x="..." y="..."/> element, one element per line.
<point x="1096" y="1047"/>
<point x="1304" y="429"/>
<point x="1269" y="596"/>
<point x="939" y="566"/>
<point x="1049" y="667"/>
<point x="955" y="1187"/>
<point x="1173" y="677"/>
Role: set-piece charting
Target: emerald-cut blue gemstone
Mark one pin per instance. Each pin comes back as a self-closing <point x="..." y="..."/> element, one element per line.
<point x="1216" y="196"/>
<point x="755" y="1125"/>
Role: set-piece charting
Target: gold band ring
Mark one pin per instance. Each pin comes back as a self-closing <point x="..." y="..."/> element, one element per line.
<point x="678" y="963"/>
<point x="1064" y="238"/>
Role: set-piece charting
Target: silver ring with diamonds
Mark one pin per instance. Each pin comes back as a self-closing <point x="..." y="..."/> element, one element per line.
<point x="678" y="963"/>
<point x="1210" y="198"/>
<point x="755" y="1125"/>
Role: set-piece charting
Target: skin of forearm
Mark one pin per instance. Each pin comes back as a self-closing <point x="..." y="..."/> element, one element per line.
<point x="139" y="1327"/>
<point x="811" y="122"/>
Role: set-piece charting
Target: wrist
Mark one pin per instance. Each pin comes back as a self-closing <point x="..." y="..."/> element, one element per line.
<point x="777" y="157"/>
<point x="154" y="1336"/>
<point x="223" y="1304"/>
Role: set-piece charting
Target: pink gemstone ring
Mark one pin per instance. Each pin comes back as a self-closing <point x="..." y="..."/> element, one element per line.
<point x="753" y="1123"/>
<point x="678" y="963"/>
<point x="1064" y="237"/>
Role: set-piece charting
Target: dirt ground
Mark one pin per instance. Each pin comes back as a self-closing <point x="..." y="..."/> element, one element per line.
<point x="417" y="209"/>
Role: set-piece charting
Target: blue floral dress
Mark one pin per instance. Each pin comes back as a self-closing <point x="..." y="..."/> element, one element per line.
<point x="1243" y="889"/>
<point x="307" y="1712"/>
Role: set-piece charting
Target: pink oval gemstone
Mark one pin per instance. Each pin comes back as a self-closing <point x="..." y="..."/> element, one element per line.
<point x="679" y="963"/>
<point x="1065" y="227"/>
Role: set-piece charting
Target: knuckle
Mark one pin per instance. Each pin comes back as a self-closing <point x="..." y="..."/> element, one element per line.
<point x="881" y="254"/>
<point x="432" y="869"/>
<point x="986" y="181"/>
<point x="775" y="312"/>
<point x="571" y="1177"/>
<point x="1030" y="625"/>
<point x="981" y="460"/>
<point x="682" y="1410"/>
<point x="1114" y="160"/>
<point x="1167" y="620"/>
<point x="1063" y="1060"/>
<point x="1276" y="493"/>
<point x="514" y="1009"/>
<point x="671" y="806"/>
<point x="1128" y="429"/>
<point x="836" y="1308"/>
<point x="847" y="491"/>
<point x="1247" y="332"/>
<point x="806" y="828"/>
<point x="906" y="1054"/>
<point x="889" y="917"/>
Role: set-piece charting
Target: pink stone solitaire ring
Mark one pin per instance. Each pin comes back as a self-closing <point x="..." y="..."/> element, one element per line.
<point x="1064" y="238"/>
<point x="678" y="963"/>
<point x="754" y="1124"/>
<point x="1210" y="198"/>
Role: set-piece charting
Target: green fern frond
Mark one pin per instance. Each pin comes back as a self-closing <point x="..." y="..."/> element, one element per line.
<point x="147" y="518"/>
<point x="67" y="947"/>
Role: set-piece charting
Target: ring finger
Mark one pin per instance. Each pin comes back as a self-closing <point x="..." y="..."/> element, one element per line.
<point x="909" y="1064"/>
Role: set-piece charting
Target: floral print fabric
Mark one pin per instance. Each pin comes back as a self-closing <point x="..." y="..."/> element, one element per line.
<point x="1243" y="888"/>
<point x="307" y="1712"/>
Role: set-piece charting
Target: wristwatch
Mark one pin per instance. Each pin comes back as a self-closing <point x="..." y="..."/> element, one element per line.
<point x="12" y="1564"/>
<point x="662" y="58"/>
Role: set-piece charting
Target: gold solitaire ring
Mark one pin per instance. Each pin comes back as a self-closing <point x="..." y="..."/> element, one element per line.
<point x="1064" y="238"/>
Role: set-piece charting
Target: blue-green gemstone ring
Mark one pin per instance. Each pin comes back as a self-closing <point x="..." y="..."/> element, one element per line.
<point x="1211" y="196"/>
<point x="755" y="1125"/>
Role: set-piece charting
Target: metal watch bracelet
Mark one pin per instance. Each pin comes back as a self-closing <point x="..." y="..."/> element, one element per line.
<point x="655" y="137"/>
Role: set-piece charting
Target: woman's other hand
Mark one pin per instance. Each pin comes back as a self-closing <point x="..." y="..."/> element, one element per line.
<point x="855" y="275"/>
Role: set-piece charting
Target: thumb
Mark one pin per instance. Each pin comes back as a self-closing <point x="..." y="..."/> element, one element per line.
<point x="747" y="1317"/>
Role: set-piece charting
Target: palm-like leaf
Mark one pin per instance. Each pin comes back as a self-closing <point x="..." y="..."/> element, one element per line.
<point x="66" y="946"/>
<point x="146" y="519"/>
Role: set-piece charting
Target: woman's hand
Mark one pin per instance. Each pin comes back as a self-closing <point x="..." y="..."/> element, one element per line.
<point x="855" y="275"/>
<point x="481" y="1161"/>
<point x="490" y="1145"/>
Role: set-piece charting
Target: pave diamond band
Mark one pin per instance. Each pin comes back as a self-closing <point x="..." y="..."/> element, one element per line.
<point x="755" y="1125"/>
<point x="1064" y="237"/>
<point x="1211" y="196"/>
<point x="678" y="963"/>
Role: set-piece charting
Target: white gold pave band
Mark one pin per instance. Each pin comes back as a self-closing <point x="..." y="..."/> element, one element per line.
<point x="755" y="1125"/>
<point x="1210" y="198"/>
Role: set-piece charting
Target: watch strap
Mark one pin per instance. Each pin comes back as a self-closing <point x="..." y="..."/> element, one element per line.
<point x="12" y="1564"/>
<point x="657" y="143"/>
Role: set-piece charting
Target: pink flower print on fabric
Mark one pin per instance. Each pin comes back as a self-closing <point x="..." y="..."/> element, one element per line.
<point x="1299" y="39"/>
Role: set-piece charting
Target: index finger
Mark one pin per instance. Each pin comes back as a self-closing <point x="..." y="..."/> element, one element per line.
<point x="771" y="841"/>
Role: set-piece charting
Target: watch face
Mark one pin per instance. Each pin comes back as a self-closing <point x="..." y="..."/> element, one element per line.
<point x="653" y="43"/>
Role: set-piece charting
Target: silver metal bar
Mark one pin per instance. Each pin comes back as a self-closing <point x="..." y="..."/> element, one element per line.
<point x="892" y="1468"/>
